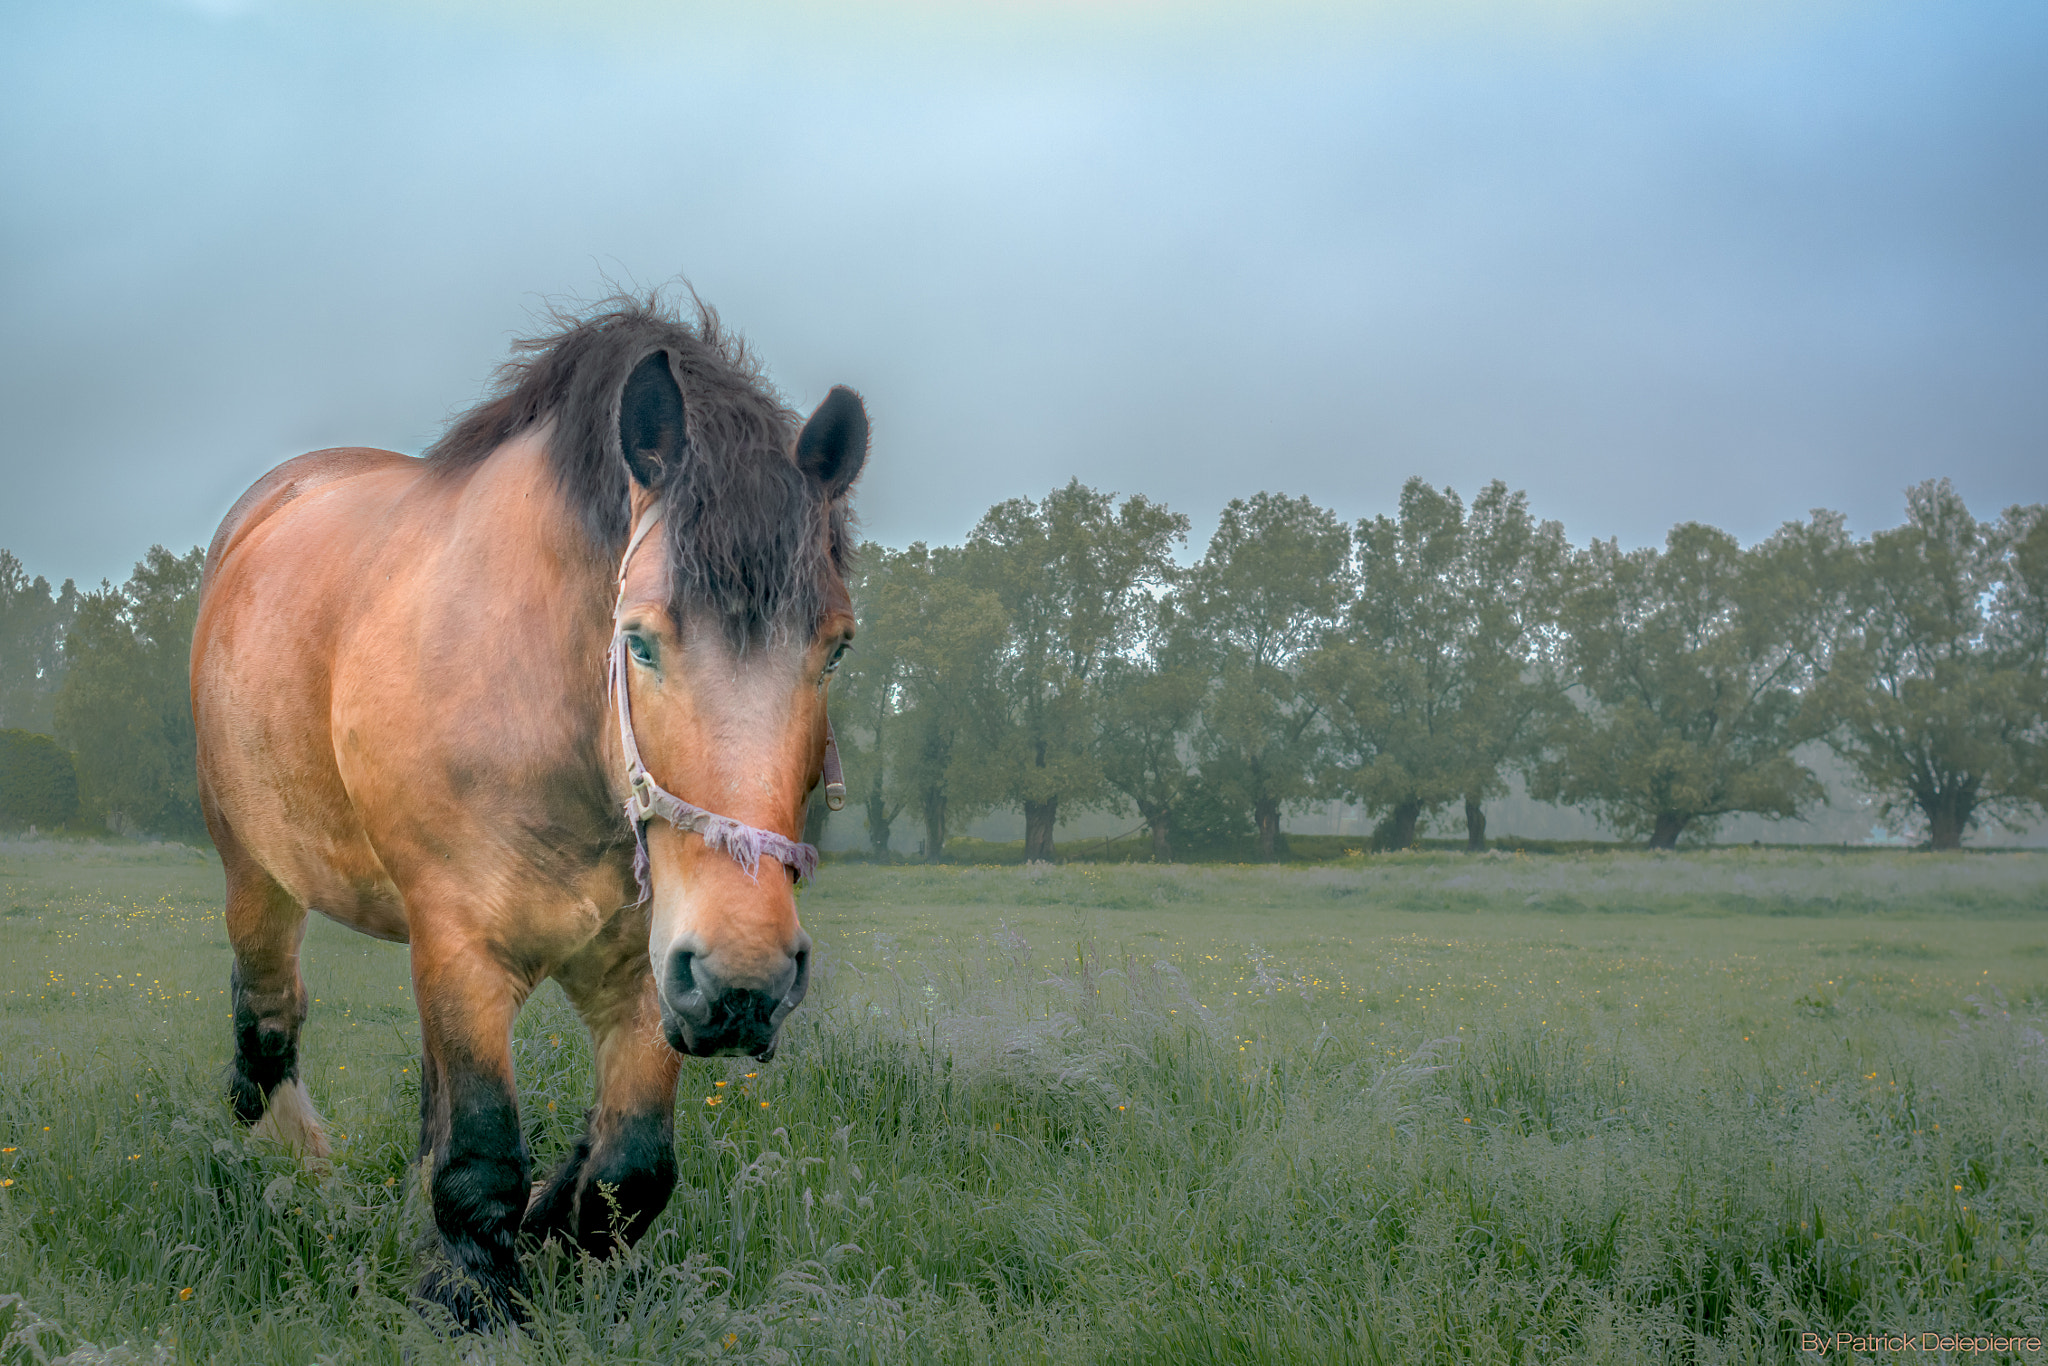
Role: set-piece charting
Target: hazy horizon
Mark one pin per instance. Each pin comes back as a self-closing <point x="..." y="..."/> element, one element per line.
<point x="1651" y="263"/>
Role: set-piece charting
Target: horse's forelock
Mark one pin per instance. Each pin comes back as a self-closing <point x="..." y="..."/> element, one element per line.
<point x="750" y="543"/>
<point x="750" y="539"/>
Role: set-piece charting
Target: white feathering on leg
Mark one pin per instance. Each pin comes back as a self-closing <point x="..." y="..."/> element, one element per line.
<point x="289" y="1118"/>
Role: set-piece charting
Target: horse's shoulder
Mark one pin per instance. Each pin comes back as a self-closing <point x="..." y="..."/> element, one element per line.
<point x="290" y="480"/>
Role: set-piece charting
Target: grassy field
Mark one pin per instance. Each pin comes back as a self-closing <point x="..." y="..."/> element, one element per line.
<point x="1411" y="1108"/>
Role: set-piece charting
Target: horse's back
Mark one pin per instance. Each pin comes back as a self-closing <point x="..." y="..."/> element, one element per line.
<point x="292" y="480"/>
<point x="281" y="577"/>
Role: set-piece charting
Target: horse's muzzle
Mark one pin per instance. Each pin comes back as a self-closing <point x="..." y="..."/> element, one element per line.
<point x="707" y="1017"/>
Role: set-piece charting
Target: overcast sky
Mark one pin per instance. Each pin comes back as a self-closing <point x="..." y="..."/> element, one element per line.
<point x="1651" y="262"/>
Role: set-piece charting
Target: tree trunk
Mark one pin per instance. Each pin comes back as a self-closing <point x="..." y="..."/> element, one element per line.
<point x="934" y="826"/>
<point x="1406" y="817"/>
<point x="816" y="813"/>
<point x="1162" y="838"/>
<point x="1038" y="822"/>
<point x="1271" y="842"/>
<point x="878" y="824"/>
<point x="1475" y="826"/>
<point x="1665" y="836"/>
<point x="1947" y="818"/>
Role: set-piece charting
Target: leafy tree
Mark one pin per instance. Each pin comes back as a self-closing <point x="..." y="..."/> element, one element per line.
<point x="1938" y="693"/>
<point x="1390" y="746"/>
<point x="1149" y="706"/>
<point x="1274" y="579"/>
<point x="38" y="783"/>
<point x="945" y="636"/>
<point x="1445" y="682"/>
<point x="1687" y="663"/>
<point x="1205" y="819"/>
<point x="868" y="694"/>
<point x="1073" y="574"/>
<point x="32" y="625"/>
<point x="125" y="705"/>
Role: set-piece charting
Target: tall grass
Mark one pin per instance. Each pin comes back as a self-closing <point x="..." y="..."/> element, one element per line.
<point x="1283" y="1124"/>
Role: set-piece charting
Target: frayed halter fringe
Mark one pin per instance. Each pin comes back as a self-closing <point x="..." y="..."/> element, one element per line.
<point x="747" y="844"/>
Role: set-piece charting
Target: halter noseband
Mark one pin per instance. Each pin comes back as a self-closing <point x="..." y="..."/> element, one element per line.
<point x="747" y="844"/>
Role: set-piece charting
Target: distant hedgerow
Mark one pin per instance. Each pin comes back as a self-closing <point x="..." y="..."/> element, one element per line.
<point x="38" y="783"/>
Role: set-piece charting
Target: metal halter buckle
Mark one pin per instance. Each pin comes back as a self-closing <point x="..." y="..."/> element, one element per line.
<point x="640" y="805"/>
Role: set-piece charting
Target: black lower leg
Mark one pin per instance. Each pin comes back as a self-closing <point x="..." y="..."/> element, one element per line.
<point x="479" y="1192"/>
<point x="266" y="1045"/>
<point x="432" y="1134"/>
<point x="616" y="1183"/>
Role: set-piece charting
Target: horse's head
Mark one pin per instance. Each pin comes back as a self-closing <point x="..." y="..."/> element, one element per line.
<point x="731" y="619"/>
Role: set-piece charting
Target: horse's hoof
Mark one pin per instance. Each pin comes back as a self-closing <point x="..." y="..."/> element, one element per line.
<point x="474" y="1306"/>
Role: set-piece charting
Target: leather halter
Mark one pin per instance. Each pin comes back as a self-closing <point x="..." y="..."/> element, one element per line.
<point x="746" y="844"/>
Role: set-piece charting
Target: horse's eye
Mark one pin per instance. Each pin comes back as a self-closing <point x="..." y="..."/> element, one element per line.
<point x="832" y="664"/>
<point x="641" y="651"/>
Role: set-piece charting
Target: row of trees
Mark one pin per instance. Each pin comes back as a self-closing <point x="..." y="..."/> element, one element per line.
<point x="105" y="673"/>
<point x="1062" y="660"/>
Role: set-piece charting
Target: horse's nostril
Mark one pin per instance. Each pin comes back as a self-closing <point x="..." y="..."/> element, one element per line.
<point x="686" y="996"/>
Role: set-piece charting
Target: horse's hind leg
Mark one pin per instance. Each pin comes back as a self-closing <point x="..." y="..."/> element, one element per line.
<point x="623" y="1170"/>
<point x="266" y="927"/>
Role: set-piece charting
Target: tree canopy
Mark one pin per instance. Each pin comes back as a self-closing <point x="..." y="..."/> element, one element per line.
<point x="1442" y="681"/>
<point x="33" y="620"/>
<point x="1938" y="692"/>
<point x="1274" y="580"/>
<point x="1692" y="696"/>
<point x="1148" y="707"/>
<point x="1062" y="661"/>
<point x="927" y="688"/>
<point x="125" y="704"/>
<point x="1073" y="574"/>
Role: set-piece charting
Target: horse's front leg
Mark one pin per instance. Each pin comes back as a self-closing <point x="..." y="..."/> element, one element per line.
<point x="469" y="1125"/>
<point x="619" y="1178"/>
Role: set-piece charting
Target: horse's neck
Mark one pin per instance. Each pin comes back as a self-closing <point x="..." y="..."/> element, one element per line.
<point x="518" y="560"/>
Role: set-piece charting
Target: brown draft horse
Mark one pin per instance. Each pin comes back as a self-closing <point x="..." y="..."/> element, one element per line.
<point x="406" y="722"/>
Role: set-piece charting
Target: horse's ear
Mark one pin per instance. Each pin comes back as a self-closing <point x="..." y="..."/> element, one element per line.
<point x="834" y="444"/>
<point x="651" y="420"/>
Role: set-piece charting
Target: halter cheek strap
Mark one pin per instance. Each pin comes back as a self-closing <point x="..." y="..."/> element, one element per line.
<point x="747" y="844"/>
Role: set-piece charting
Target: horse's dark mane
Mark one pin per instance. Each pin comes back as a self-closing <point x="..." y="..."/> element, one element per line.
<point x="740" y="519"/>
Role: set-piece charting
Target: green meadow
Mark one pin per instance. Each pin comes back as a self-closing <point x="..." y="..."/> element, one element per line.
<point x="1407" y="1108"/>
